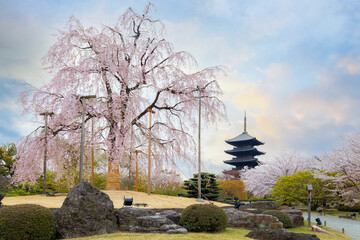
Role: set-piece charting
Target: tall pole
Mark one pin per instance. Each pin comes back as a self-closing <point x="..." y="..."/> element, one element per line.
<point x="130" y="157"/>
<point x="199" y="156"/>
<point x="92" y="153"/>
<point x="149" y="163"/>
<point x="309" y="188"/>
<point x="309" y="210"/>
<point x="82" y="135"/>
<point x="45" y="114"/>
<point x="136" y="174"/>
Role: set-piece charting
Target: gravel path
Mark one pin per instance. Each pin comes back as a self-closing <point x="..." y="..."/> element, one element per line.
<point x="153" y="200"/>
<point x="352" y="227"/>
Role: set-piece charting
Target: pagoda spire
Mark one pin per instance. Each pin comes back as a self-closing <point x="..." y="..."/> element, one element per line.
<point x="245" y="122"/>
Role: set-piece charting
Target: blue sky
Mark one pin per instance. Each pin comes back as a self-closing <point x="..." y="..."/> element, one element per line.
<point x="293" y="65"/>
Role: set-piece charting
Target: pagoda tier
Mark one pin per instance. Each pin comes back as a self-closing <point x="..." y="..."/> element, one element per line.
<point x="244" y="151"/>
<point x="240" y="163"/>
<point x="247" y="151"/>
<point x="244" y="139"/>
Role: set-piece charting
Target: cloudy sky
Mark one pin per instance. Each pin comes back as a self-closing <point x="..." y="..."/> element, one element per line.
<point x="294" y="66"/>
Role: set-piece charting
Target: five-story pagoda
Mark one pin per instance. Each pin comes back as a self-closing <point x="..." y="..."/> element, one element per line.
<point x="244" y="153"/>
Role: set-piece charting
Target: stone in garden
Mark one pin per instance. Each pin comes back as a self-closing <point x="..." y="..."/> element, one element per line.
<point x="241" y="219"/>
<point x="236" y="218"/>
<point x="145" y="221"/>
<point x="296" y="216"/>
<point x="126" y="216"/>
<point x="279" y="234"/>
<point x="86" y="211"/>
<point x="263" y="205"/>
<point x="263" y="221"/>
<point x="172" y="215"/>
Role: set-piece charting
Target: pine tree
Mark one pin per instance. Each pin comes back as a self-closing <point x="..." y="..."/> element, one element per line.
<point x="209" y="186"/>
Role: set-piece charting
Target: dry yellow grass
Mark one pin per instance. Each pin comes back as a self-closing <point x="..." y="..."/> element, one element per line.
<point x="153" y="201"/>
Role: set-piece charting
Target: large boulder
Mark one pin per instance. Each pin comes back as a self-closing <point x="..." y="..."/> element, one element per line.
<point x="296" y="216"/>
<point x="86" y="211"/>
<point x="263" y="221"/>
<point x="237" y="218"/>
<point x="172" y="215"/>
<point x="126" y="216"/>
<point x="146" y="221"/>
<point x="262" y="205"/>
<point x="241" y="219"/>
<point x="279" y="234"/>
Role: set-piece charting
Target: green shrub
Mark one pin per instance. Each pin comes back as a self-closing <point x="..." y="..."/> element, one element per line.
<point x="347" y="208"/>
<point x="170" y="191"/>
<point x="26" y="222"/>
<point x="204" y="218"/>
<point x="283" y="217"/>
<point x="17" y="192"/>
<point x="259" y="199"/>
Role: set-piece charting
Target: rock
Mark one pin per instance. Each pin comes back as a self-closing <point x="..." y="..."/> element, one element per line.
<point x="296" y="216"/>
<point x="321" y="230"/>
<point x="263" y="221"/>
<point x="279" y="234"/>
<point x="86" y="211"/>
<point x="126" y="216"/>
<point x="146" y="221"/>
<point x="172" y="215"/>
<point x="263" y="205"/>
<point x="241" y="219"/>
<point x="237" y="218"/>
<point x="251" y="210"/>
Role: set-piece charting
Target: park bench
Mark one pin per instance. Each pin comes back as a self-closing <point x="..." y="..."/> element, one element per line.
<point x="140" y="204"/>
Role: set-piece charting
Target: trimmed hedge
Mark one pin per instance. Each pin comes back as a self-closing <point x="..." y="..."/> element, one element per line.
<point x="26" y="222"/>
<point x="283" y="217"/>
<point x="204" y="218"/>
<point x="347" y="208"/>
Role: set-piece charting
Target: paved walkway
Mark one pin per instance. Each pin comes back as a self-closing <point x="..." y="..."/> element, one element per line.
<point x="352" y="227"/>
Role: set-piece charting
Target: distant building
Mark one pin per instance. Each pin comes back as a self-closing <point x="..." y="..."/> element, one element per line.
<point x="244" y="153"/>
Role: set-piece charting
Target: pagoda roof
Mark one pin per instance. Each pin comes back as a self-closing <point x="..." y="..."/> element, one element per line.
<point x="250" y="150"/>
<point x="241" y="163"/>
<point x="236" y="161"/>
<point x="242" y="138"/>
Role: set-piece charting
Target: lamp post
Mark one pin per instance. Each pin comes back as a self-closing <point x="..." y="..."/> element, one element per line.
<point x="82" y="98"/>
<point x="149" y="163"/>
<point x="309" y="188"/>
<point x="45" y="114"/>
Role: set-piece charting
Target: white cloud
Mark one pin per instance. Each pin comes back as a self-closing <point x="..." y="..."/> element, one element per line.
<point x="350" y="65"/>
<point x="23" y="126"/>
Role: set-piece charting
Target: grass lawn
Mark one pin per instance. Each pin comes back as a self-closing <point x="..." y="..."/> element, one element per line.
<point x="230" y="233"/>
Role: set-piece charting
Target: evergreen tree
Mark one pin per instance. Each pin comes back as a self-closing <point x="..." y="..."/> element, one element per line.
<point x="209" y="186"/>
<point x="7" y="159"/>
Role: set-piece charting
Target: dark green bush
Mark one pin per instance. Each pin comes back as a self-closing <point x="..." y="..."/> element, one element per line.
<point x="283" y="217"/>
<point x="347" y="208"/>
<point x="204" y="218"/>
<point x="26" y="222"/>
